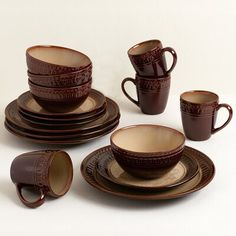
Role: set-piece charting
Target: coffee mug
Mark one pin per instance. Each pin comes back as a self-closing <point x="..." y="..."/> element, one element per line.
<point x="148" y="58"/>
<point x="199" y="112"/>
<point x="152" y="93"/>
<point x="48" y="172"/>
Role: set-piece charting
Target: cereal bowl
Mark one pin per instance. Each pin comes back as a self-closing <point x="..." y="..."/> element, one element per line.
<point x="147" y="151"/>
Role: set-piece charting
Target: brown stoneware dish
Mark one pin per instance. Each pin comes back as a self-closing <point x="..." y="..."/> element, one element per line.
<point x="152" y="93"/>
<point x="92" y="105"/>
<point x="147" y="151"/>
<point x="50" y="172"/>
<point x="63" y="80"/>
<point x="148" y="58"/>
<point x="202" y="179"/>
<point x="60" y="99"/>
<point x="55" y="60"/>
<point x="15" y="119"/>
<point x="199" y="112"/>
<point x="109" y="169"/>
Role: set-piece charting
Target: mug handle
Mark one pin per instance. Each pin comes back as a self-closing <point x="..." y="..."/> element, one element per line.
<point x="230" y="110"/>
<point x="174" y="54"/>
<point x="124" y="91"/>
<point x="34" y="204"/>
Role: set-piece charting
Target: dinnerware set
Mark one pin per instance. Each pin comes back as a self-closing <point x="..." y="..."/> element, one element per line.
<point x="49" y="113"/>
<point x="142" y="162"/>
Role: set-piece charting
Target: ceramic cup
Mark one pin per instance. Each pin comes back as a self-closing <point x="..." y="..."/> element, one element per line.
<point x="49" y="172"/>
<point x="148" y="58"/>
<point x="199" y="111"/>
<point x="152" y="93"/>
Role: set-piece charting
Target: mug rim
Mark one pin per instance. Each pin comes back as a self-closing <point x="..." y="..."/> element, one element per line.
<point x="216" y="100"/>
<point x="141" y="43"/>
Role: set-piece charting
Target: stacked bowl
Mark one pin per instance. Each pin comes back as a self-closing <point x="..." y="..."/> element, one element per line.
<point x="59" y="78"/>
<point x="61" y="107"/>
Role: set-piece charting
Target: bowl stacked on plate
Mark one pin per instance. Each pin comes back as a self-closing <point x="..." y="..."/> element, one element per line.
<point x="61" y="107"/>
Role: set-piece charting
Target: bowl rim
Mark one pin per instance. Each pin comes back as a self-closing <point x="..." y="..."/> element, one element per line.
<point x="31" y="84"/>
<point x="148" y="154"/>
<point x="58" y="76"/>
<point x="28" y="55"/>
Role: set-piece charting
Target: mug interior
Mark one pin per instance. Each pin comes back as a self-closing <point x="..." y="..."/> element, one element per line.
<point x="60" y="173"/>
<point x="199" y="97"/>
<point x="148" y="139"/>
<point x="144" y="47"/>
<point x="59" y="56"/>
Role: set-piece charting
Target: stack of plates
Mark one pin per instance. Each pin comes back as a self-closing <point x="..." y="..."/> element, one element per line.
<point x="194" y="171"/>
<point x="96" y="117"/>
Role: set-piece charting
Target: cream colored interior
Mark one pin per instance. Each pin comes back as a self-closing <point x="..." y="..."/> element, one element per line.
<point x="122" y="177"/>
<point x="59" y="56"/>
<point x="143" y="47"/>
<point x="199" y="97"/>
<point x="60" y="173"/>
<point x="145" y="138"/>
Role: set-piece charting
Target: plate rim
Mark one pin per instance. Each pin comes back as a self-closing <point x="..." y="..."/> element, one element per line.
<point x="151" y="196"/>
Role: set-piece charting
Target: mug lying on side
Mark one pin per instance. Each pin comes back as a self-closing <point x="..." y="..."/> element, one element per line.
<point x="48" y="172"/>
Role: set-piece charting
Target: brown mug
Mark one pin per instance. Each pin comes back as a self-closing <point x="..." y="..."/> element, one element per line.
<point x="199" y="112"/>
<point x="148" y="58"/>
<point x="48" y="172"/>
<point x="152" y="93"/>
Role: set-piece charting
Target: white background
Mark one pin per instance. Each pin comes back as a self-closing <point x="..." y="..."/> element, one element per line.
<point x="203" y="33"/>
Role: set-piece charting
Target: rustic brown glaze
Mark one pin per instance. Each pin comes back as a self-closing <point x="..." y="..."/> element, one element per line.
<point x="202" y="179"/>
<point x="55" y="60"/>
<point x="199" y="112"/>
<point x="93" y="104"/>
<point x="148" y="58"/>
<point x="73" y="135"/>
<point x="151" y="157"/>
<point x="60" y="99"/>
<point x="109" y="169"/>
<point x="63" y="80"/>
<point x="152" y="93"/>
<point x="49" y="171"/>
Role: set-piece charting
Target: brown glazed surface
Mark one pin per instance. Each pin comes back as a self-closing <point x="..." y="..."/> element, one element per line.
<point x="40" y="67"/>
<point x="199" y="119"/>
<point x="65" y="141"/>
<point x="13" y="116"/>
<point x="148" y="164"/>
<point x="185" y="170"/>
<point x="60" y="99"/>
<point x="90" y="131"/>
<point x="152" y="93"/>
<point x="203" y="178"/>
<point x="33" y="169"/>
<point x="63" y="80"/>
<point x="151" y="62"/>
<point x="95" y="101"/>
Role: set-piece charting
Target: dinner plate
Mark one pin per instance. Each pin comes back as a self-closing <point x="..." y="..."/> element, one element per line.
<point x="200" y="180"/>
<point x="14" y="118"/>
<point x="64" y="141"/>
<point x="95" y="101"/>
<point x="109" y="169"/>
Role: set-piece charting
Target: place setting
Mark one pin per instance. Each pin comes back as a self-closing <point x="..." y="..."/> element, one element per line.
<point x="60" y="107"/>
<point x="157" y="168"/>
